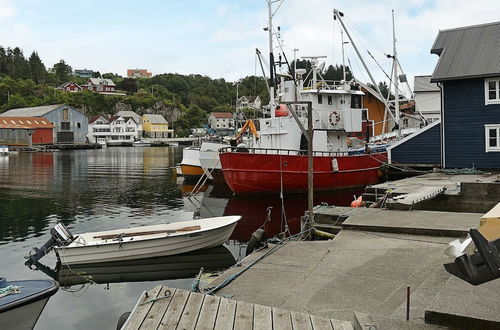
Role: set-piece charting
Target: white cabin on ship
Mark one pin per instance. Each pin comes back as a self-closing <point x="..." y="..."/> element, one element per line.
<point x="337" y="113"/>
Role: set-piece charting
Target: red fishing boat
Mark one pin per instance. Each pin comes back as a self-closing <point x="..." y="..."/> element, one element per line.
<point x="257" y="172"/>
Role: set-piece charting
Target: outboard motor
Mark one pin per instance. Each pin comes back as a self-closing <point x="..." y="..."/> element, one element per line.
<point x="480" y="267"/>
<point x="60" y="236"/>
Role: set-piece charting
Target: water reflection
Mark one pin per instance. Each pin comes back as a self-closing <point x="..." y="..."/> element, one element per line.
<point x="93" y="190"/>
<point x="185" y="265"/>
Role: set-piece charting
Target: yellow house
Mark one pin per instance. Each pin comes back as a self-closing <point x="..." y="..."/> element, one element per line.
<point x="155" y="126"/>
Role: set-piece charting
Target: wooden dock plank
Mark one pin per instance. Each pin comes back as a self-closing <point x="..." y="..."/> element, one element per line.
<point x="281" y="319"/>
<point x="208" y="313"/>
<point x="321" y="323"/>
<point x="173" y="314"/>
<point x="158" y="308"/>
<point x="341" y="325"/>
<point x="142" y="310"/>
<point x="262" y="317"/>
<point x="243" y="319"/>
<point x="191" y="311"/>
<point x="300" y="321"/>
<point x="225" y="315"/>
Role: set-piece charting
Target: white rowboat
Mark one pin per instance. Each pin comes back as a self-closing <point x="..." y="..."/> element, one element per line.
<point x="148" y="241"/>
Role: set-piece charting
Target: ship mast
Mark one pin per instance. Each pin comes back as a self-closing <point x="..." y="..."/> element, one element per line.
<point x="396" y="78"/>
<point x="272" y="79"/>
<point x="338" y="15"/>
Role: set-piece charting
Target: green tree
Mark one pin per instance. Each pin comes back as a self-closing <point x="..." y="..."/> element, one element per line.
<point x="37" y="68"/>
<point x="128" y="84"/>
<point x="62" y="72"/>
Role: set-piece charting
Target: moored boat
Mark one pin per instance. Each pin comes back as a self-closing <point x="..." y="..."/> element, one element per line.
<point x="209" y="160"/>
<point x="190" y="164"/>
<point x="138" y="242"/>
<point x="274" y="172"/>
<point x="22" y="302"/>
<point x="141" y="143"/>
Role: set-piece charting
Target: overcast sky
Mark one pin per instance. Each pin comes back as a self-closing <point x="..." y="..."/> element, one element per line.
<point x="218" y="37"/>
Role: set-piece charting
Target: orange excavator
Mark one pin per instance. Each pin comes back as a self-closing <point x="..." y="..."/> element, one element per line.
<point x="248" y="126"/>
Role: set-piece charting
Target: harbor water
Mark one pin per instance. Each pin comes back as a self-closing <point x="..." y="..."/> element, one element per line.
<point x="92" y="190"/>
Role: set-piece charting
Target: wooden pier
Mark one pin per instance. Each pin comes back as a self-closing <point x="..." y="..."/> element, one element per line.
<point x="169" y="308"/>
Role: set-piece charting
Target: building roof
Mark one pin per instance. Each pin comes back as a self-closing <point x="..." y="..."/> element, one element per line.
<point x="467" y="52"/>
<point x="423" y="84"/>
<point x="94" y="118"/>
<point x="25" y="122"/>
<point x="128" y="113"/>
<point x="68" y="83"/>
<point x="32" y="111"/>
<point x="222" y="114"/>
<point x="101" y="81"/>
<point x="156" y="119"/>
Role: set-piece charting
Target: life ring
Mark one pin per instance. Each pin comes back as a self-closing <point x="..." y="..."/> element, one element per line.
<point x="334" y="118"/>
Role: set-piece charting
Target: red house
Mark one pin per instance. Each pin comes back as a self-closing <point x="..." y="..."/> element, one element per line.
<point x="70" y="87"/>
<point x="100" y="85"/>
<point x="26" y="131"/>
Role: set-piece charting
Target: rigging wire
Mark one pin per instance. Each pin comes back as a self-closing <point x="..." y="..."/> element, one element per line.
<point x="363" y="33"/>
<point x="278" y="7"/>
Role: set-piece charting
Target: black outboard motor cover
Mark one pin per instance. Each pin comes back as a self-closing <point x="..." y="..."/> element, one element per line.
<point x="480" y="267"/>
<point x="60" y="236"/>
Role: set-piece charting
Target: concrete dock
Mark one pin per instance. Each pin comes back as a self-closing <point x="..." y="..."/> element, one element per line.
<point x="462" y="192"/>
<point x="367" y="269"/>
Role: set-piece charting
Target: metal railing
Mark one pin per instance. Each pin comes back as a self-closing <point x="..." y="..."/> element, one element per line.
<point x="288" y="152"/>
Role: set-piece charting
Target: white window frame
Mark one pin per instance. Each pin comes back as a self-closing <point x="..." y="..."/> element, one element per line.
<point x="486" y="91"/>
<point x="487" y="129"/>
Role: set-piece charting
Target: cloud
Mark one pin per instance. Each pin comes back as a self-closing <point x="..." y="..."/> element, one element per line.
<point x="218" y="37"/>
<point x="6" y="9"/>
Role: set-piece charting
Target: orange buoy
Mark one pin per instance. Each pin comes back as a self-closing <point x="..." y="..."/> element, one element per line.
<point x="281" y="111"/>
<point x="357" y="202"/>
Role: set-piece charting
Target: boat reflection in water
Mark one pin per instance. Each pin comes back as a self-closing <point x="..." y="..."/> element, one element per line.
<point x="180" y="266"/>
<point x="254" y="211"/>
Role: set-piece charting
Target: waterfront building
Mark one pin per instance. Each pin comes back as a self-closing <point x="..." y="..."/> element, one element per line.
<point x="100" y="85"/>
<point x="138" y="73"/>
<point x="84" y="73"/>
<point x="156" y="126"/>
<point x="221" y="120"/>
<point x="25" y="131"/>
<point x="427" y="98"/>
<point x="70" y="125"/>
<point x="70" y="87"/>
<point x="115" y="130"/>
<point x="98" y="129"/>
<point x="137" y="118"/>
<point x="468" y="133"/>
<point x="468" y="72"/>
<point x="252" y="102"/>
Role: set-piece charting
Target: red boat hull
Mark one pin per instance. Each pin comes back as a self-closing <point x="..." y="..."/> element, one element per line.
<point x="250" y="173"/>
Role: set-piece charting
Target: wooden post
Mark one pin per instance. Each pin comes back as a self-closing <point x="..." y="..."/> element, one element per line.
<point x="310" y="181"/>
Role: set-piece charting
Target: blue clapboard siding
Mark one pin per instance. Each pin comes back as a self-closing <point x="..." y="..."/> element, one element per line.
<point x="423" y="148"/>
<point x="465" y="115"/>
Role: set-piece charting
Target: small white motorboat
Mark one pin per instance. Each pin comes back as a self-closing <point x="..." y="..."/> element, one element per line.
<point x="138" y="242"/>
<point x="141" y="143"/>
<point x="22" y="302"/>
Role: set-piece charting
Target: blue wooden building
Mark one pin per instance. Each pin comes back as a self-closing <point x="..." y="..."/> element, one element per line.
<point x="468" y="74"/>
<point x="70" y="125"/>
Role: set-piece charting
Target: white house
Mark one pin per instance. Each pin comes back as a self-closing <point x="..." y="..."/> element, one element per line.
<point x="137" y="118"/>
<point x="221" y="120"/>
<point x="427" y="98"/>
<point x="252" y="102"/>
<point x="116" y="130"/>
<point x="98" y="130"/>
